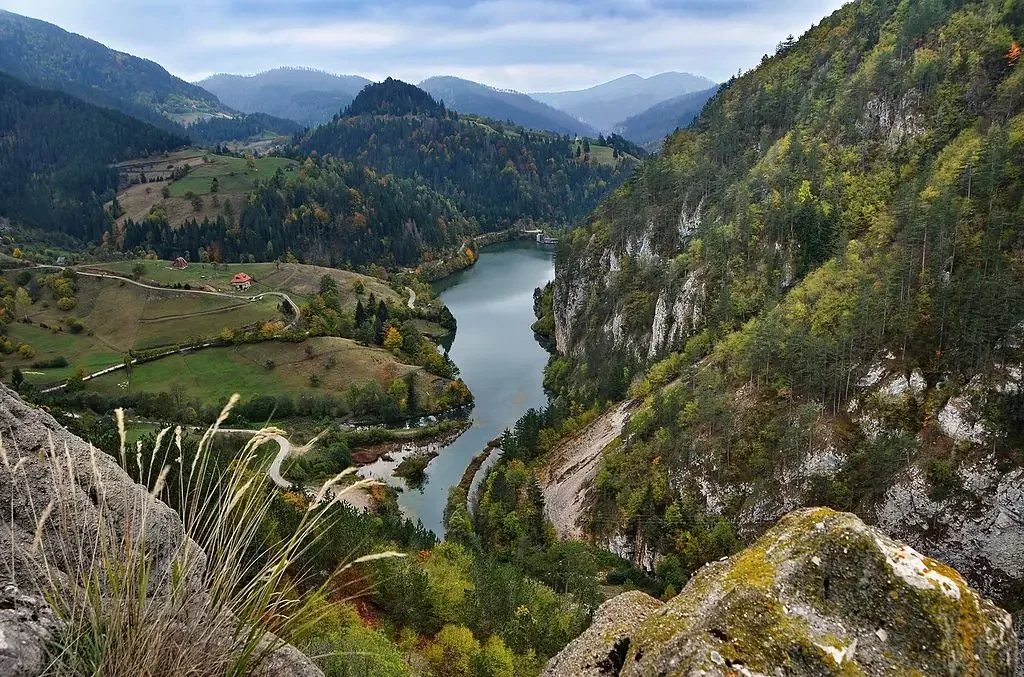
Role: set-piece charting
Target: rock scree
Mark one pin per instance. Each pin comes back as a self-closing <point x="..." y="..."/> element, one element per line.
<point x="821" y="593"/>
<point x="30" y="436"/>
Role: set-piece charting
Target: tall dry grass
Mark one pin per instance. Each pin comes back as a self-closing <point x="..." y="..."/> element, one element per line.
<point x="223" y="600"/>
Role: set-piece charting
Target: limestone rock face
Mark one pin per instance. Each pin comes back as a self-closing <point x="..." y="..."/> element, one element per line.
<point x="602" y="649"/>
<point x="820" y="593"/>
<point x="33" y="444"/>
<point x="25" y="622"/>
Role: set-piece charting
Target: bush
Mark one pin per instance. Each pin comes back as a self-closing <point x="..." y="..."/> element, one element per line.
<point x="52" y="363"/>
<point x="26" y="351"/>
<point x="67" y="303"/>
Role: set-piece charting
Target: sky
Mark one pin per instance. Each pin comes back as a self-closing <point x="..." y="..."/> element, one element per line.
<point x="527" y="45"/>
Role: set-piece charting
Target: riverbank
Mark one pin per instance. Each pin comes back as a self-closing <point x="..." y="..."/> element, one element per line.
<point x="499" y="360"/>
<point x="468" y="254"/>
<point x="375" y="443"/>
<point x="466" y="483"/>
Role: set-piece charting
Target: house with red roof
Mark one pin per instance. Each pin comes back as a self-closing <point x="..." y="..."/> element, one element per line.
<point x="241" y="281"/>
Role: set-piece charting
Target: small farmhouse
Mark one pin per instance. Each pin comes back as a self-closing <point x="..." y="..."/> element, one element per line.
<point x="241" y="281"/>
<point x="179" y="264"/>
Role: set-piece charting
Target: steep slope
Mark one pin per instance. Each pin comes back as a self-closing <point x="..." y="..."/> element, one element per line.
<point x="497" y="175"/>
<point x="307" y="96"/>
<point x="55" y="172"/>
<point x="650" y="127"/>
<point x="47" y="56"/>
<point x="829" y="259"/>
<point x="474" y="98"/>
<point x="604" y="106"/>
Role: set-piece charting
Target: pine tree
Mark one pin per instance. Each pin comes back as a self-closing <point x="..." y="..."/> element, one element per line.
<point x="360" y="314"/>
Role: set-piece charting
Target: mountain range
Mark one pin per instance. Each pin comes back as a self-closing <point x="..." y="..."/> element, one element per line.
<point x="607" y="105"/>
<point x="650" y="127"/>
<point x="47" y="56"/>
<point x="307" y="96"/>
<point x="466" y="96"/>
<point x="399" y="179"/>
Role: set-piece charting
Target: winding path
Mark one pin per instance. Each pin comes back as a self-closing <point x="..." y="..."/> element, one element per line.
<point x="412" y="298"/>
<point x="296" y="311"/>
<point x="284" y="450"/>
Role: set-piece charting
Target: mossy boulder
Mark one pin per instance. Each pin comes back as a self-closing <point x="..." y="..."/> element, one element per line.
<point x="821" y="593"/>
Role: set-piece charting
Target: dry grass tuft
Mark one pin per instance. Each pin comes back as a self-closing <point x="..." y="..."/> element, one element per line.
<point x="222" y="602"/>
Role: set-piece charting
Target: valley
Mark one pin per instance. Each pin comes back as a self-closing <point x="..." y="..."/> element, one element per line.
<point x="645" y="373"/>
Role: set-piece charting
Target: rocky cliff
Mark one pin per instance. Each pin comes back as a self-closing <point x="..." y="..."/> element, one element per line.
<point x="38" y="458"/>
<point x="819" y="594"/>
<point x="827" y="267"/>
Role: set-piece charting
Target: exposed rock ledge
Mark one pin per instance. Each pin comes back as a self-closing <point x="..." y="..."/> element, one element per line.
<point x="820" y="593"/>
<point x="26" y="621"/>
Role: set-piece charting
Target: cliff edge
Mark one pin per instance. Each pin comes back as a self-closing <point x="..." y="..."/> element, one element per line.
<point x="821" y="593"/>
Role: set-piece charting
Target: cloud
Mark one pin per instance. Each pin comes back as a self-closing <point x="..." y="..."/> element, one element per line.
<point x="530" y="45"/>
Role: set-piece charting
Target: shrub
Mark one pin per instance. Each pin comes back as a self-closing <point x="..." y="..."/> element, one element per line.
<point x="26" y="351"/>
<point x="67" y="303"/>
<point x="52" y="363"/>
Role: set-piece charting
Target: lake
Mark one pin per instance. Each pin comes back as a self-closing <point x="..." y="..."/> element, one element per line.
<point x="499" y="359"/>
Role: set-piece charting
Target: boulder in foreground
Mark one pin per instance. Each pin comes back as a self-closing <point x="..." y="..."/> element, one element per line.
<point x="821" y="593"/>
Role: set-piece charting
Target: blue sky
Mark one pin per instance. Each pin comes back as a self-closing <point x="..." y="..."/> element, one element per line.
<point x="529" y="45"/>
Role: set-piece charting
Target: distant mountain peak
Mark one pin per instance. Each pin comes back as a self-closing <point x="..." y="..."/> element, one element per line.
<point x="607" y="105"/>
<point x="466" y="96"/>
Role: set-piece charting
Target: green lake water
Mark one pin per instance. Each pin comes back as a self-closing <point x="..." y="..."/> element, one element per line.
<point x="499" y="360"/>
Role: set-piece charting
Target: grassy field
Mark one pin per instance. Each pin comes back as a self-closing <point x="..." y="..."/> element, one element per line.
<point x="233" y="174"/>
<point x="216" y="373"/>
<point x="79" y="350"/>
<point x="299" y="281"/>
<point x="119" y="317"/>
<point x="602" y="155"/>
<point x="234" y="179"/>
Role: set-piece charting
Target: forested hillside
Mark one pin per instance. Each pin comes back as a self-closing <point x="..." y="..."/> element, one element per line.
<point x="826" y="270"/>
<point x="219" y="130"/>
<point x="496" y="174"/>
<point x="650" y="127"/>
<point x="47" y="56"/>
<point x="330" y="212"/>
<point x="55" y="172"/>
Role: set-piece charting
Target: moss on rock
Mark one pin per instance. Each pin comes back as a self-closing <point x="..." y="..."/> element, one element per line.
<point x="820" y="593"/>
